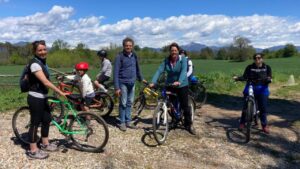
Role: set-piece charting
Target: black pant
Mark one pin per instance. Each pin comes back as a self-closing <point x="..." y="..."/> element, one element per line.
<point x="182" y="95"/>
<point x="39" y="114"/>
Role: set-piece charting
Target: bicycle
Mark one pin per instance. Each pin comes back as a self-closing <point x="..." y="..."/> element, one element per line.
<point x="102" y="102"/>
<point x="167" y="112"/>
<point x="251" y="112"/>
<point x="79" y="127"/>
<point x="198" y="91"/>
<point x="145" y="95"/>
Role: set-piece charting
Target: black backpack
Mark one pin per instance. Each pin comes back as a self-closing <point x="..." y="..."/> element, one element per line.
<point x="24" y="79"/>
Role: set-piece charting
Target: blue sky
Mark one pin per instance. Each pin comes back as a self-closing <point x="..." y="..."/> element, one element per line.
<point x="98" y="23"/>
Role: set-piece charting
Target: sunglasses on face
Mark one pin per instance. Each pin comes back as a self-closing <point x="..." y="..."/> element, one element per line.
<point x="42" y="42"/>
<point x="257" y="58"/>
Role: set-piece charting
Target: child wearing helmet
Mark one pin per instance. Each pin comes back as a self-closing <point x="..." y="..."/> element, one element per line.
<point x="85" y="84"/>
<point x="105" y="72"/>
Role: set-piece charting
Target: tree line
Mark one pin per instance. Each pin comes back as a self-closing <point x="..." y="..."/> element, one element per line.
<point x="62" y="55"/>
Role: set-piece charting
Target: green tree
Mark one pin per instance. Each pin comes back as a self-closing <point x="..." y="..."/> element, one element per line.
<point x="289" y="50"/>
<point x="59" y="45"/>
<point x="206" y="53"/>
<point x="222" y="54"/>
<point x="242" y="50"/>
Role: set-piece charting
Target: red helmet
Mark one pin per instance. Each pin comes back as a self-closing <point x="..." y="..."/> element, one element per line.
<point x="82" y="66"/>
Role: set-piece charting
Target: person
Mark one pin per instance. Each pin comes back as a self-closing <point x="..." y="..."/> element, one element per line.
<point x="85" y="85"/>
<point x="105" y="72"/>
<point x="261" y="74"/>
<point x="37" y="101"/>
<point x="175" y="66"/>
<point x="126" y="71"/>
<point x="190" y="67"/>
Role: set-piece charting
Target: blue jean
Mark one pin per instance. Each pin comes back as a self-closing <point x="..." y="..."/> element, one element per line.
<point x="125" y="102"/>
<point x="261" y="100"/>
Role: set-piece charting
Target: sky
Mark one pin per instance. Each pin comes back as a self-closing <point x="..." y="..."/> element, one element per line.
<point x="151" y="23"/>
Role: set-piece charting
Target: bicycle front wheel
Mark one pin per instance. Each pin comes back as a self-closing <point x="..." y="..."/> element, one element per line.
<point x="248" y="118"/>
<point x="21" y="124"/>
<point x="89" y="132"/>
<point x="160" y="123"/>
<point x="138" y="106"/>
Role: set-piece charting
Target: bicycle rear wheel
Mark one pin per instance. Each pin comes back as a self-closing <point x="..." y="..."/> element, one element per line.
<point x="105" y="102"/>
<point x="160" y="124"/>
<point x="21" y="124"/>
<point x="138" y="106"/>
<point x="198" y="92"/>
<point x="248" y="119"/>
<point x="90" y="132"/>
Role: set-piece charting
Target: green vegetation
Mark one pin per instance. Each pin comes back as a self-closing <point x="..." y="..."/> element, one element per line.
<point x="217" y="75"/>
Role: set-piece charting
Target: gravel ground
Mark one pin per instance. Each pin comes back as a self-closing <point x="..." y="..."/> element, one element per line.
<point x="216" y="145"/>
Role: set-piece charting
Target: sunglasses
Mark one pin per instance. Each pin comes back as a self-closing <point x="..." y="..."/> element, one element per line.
<point x="257" y="58"/>
<point x="42" y="42"/>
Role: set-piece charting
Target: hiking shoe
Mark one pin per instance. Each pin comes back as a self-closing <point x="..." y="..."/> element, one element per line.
<point x="191" y="130"/>
<point x="122" y="127"/>
<point x="242" y="126"/>
<point x="266" y="130"/>
<point x="131" y="125"/>
<point x="49" y="147"/>
<point x="39" y="154"/>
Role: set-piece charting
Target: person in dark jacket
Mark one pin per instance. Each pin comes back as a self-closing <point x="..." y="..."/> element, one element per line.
<point x="261" y="74"/>
<point x="126" y="72"/>
<point x="37" y="102"/>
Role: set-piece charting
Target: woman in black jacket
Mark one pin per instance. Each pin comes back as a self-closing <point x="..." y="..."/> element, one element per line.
<point x="37" y="101"/>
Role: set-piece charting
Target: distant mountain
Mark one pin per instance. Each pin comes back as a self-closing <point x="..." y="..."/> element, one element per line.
<point x="193" y="46"/>
<point x="21" y="43"/>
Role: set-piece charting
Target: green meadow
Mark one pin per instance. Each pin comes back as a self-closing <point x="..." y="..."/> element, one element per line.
<point x="217" y="75"/>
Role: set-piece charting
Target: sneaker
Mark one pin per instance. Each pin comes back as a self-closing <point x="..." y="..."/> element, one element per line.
<point x="242" y="126"/>
<point x="39" y="154"/>
<point x="49" y="147"/>
<point x="122" y="127"/>
<point x="266" y="130"/>
<point x="131" y="125"/>
<point x="191" y="130"/>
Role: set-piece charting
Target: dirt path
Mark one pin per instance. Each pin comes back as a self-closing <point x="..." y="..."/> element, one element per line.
<point x="216" y="144"/>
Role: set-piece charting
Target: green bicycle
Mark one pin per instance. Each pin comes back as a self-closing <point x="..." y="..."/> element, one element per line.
<point x="87" y="131"/>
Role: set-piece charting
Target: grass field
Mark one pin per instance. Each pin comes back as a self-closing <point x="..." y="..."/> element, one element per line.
<point x="216" y="74"/>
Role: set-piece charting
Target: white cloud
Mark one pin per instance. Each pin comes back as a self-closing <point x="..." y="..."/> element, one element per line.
<point x="262" y="30"/>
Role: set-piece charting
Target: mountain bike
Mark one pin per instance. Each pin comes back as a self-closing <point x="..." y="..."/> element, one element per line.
<point x="102" y="103"/>
<point x="146" y="94"/>
<point x="168" y="111"/>
<point x="198" y="91"/>
<point x="87" y="131"/>
<point x="251" y="112"/>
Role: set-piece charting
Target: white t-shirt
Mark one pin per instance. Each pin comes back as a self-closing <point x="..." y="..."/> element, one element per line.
<point x="85" y="85"/>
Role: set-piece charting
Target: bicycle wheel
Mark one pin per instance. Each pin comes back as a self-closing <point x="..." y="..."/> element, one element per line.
<point x="192" y="105"/>
<point x="160" y="123"/>
<point x="198" y="91"/>
<point x="89" y="132"/>
<point x="138" y="106"/>
<point x="105" y="104"/>
<point x="56" y="109"/>
<point x="248" y="118"/>
<point x="21" y="124"/>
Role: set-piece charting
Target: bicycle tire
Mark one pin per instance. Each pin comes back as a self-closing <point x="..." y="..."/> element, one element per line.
<point x="248" y="119"/>
<point x="160" y="124"/>
<point x="193" y="108"/>
<point x="56" y="109"/>
<point x="21" y="124"/>
<point x="107" y="104"/>
<point x="138" y="106"/>
<point x="198" y="91"/>
<point x="91" y="125"/>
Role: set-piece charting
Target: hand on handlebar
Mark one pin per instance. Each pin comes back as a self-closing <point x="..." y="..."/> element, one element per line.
<point x="176" y="83"/>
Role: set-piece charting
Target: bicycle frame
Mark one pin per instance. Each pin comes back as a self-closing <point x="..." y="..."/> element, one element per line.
<point x="62" y="127"/>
